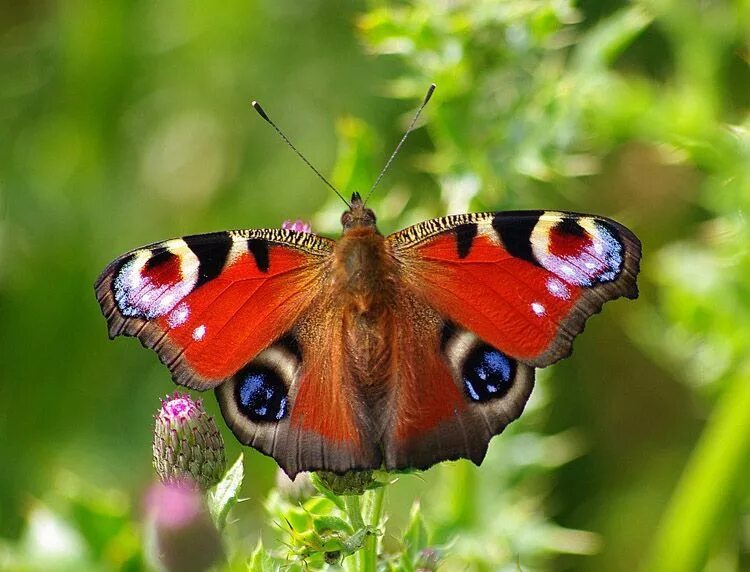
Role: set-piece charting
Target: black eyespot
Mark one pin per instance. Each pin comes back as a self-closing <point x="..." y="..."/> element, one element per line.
<point x="260" y="394"/>
<point x="487" y="373"/>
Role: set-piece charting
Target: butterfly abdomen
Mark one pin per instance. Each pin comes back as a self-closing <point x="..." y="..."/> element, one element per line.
<point x="365" y="287"/>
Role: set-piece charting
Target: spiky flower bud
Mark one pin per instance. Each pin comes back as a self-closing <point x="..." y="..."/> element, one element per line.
<point x="350" y="483"/>
<point x="187" y="443"/>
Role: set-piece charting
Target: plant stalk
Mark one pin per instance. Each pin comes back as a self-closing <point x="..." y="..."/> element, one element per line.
<point x="373" y="515"/>
<point x="704" y="497"/>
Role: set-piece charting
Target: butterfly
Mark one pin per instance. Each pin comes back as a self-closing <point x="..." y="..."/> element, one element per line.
<point x="398" y="351"/>
<point x="371" y="351"/>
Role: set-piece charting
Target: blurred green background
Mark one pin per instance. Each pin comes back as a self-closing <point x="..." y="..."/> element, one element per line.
<point x="127" y="122"/>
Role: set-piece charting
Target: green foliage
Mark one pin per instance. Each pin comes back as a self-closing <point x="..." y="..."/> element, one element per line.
<point x="326" y="530"/>
<point x="225" y="494"/>
<point x="79" y="528"/>
<point x="516" y="80"/>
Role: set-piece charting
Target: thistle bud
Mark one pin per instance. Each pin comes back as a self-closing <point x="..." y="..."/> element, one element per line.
<point x="350" y="483"/>
<point x="187" y="443"/>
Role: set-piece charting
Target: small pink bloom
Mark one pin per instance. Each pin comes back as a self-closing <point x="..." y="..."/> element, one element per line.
<point x="174" y="505"/>
<point x="181" y="407"/>
<point x="297" y="226"/>
<point x="183" y="536"/>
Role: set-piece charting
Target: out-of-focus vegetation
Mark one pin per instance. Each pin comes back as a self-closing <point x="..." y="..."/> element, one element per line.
<point x="127" y="122"/>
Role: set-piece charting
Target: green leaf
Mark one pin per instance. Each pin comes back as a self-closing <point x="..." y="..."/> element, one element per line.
<point x="222" y="497"/>
<point x="601" y="45"/>
<point x="696" y="513"/>
<point x="260" y="560"/>
<point x="415" y="538"/>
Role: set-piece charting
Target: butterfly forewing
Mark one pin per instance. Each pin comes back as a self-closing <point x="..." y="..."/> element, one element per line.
<point x="524" y="282"/>
<point x="208" y="304"/>
<point x="237" y="311"/>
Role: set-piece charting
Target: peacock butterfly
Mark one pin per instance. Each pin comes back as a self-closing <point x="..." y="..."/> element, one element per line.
<point x="371" y="351"/>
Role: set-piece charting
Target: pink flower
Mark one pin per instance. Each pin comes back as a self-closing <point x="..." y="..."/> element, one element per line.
<point x="297" y="226"/>
<point x="181" y="407"/>
<point x="173" y="505"/>
<point x="183" y="536"/>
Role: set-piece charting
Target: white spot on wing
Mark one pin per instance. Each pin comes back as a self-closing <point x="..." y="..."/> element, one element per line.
<point x="199" y="332"/>
<point x="538" y="308"/>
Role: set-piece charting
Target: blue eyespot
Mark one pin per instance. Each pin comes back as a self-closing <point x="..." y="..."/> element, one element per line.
<point x="260" y="394"/>
<point x="487" y="373"/>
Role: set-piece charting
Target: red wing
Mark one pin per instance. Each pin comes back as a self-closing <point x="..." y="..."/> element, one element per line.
<point x="450" y="391"/>
<point x="298" y="400"/>
<point x="237" y="311"/>
<point x="524" y="282"/>
<point x="208" y="304"/>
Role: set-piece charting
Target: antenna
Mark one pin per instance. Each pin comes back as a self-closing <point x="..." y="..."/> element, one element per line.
<point x="263" y="114"/>
<point x="427" y="97"/>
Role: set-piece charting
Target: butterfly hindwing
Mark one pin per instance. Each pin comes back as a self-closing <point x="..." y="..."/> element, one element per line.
<point x="525" y="282"/>
<point x="450" y="392"/>
<point x="208" y="304"/>
<point x="297" y="401"/>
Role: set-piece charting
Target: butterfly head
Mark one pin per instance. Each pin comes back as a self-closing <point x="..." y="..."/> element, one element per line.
<point x="358" y="215"/>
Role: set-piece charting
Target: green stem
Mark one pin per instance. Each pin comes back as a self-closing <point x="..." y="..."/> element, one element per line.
<point x="374" y="513"/>
<point x="702" y="501"/>
<point x="354" y="511"/>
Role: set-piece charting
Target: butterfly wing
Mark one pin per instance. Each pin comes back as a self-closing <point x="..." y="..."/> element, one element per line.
<point x="524" y="282"/>
<point x="484" y="299"/>
<point x="450" y="392"/>
<point x="237" y="311"/>
<point x="209" y="303"/>
<point x="321" y="424"/>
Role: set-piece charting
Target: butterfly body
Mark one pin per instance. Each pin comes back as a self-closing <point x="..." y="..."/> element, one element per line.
<point x="397" y="351"/>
